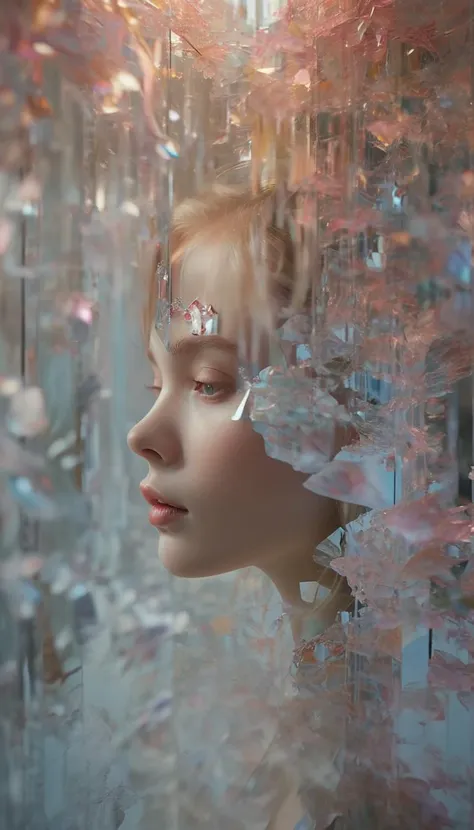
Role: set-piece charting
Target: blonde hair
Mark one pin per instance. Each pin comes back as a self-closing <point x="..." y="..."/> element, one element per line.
<point x="260" y="238"/>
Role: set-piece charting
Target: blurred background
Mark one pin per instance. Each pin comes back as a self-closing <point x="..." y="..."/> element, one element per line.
<point x="119" y="706"/>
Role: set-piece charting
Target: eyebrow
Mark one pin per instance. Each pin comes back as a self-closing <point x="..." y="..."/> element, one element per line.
<point x="195" y="344"/>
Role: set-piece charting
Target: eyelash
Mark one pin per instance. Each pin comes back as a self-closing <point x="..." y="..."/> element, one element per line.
<point x="198" y="385"/>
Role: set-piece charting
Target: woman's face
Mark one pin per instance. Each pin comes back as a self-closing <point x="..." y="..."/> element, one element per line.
<point x="238" y="506"/>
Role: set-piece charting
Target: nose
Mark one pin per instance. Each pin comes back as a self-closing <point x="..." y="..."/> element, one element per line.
<point x="156" y="439"/>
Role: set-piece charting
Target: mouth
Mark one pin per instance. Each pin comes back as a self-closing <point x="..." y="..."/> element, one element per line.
<point x="163" y="512"/>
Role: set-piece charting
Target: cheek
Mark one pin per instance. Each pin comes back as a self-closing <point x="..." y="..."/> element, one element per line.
<point x="231" y="461"/>
<point x="227" y="452"/>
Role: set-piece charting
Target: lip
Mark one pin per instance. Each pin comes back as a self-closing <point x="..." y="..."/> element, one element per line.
<point x="163" y="511"/>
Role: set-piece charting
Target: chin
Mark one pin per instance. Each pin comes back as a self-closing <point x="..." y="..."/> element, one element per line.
<point x="182" y="562"/>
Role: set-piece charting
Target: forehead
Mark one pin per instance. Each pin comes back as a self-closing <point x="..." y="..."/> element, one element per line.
<point x="208" y="273"/>
<point x="214" y="274"/>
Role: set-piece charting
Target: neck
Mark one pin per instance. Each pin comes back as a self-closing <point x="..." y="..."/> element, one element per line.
<point x="288" y="570"/>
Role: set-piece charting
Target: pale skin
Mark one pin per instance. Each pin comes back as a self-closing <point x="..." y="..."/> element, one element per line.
<point x="244" y="508"/>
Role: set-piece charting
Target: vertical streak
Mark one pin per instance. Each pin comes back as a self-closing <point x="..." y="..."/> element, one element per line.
<point x="23" y="344"/>
<point x="170" y="180"/>
<point x="471" y="48"/>
<point x="170" y="174"/>
<point x="471" y="301"/>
